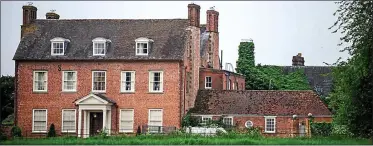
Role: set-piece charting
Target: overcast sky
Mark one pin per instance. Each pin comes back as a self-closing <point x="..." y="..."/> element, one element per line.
<point x="280" y="29"/>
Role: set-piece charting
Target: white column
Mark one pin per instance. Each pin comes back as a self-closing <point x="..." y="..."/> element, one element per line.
<point x="109" y="122"/>
<point x="104" y="118"/>
<point x="79" y="122"/>
<point x="85" y="132"/>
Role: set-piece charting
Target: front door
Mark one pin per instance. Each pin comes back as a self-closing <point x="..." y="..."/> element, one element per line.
<point x="95" y="123"/>
<point x="302" y="129"/>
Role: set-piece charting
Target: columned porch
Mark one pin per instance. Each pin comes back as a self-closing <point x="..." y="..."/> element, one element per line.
<point x="94" y="114"/>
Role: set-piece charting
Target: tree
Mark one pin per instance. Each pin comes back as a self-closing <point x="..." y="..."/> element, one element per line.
<point x="52" y="131"/>
<point x="7" y="96"/>
<point x="351" y="97"/>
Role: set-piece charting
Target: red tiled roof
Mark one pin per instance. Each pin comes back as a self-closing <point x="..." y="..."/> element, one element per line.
<point x="260" y="102"/>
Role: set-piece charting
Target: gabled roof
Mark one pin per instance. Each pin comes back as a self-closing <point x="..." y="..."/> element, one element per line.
<point x="168" y="35"/>
<point x="94" y="98"/>
<point x="259" y="102"/>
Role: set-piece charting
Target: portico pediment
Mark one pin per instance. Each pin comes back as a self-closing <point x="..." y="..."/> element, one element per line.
<point x="94" y="99"/>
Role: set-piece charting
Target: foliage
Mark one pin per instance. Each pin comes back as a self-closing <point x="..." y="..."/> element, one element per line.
<point x="16" y="131"/>
<point x="2" y="135"/>
<point x="186" y="140"/>
<point x="321" y="129"/>
<point x="138" y="132"/>
<point x="8" y="120"/>
<point x="267" y="77"/>
<point x="7" y="95"/>
<point x="189" y="120"/>
<point x="103" y="134"/>
<point x="351" y="98"/>
<point x="254" y="132"/>
<point x="52" y="131"/>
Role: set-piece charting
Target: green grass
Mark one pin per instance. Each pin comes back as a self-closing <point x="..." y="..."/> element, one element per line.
<point x="184" y="140"/>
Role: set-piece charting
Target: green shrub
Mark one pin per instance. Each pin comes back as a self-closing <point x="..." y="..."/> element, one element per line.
<point x="321" y="129"/>
<point x="2" y="135"/>
<point x="16" y="131"/>
<point x="103" y="134"/>
<point x="340" y="131"/>
<point x="254" y="132"/>
<point x="138" y="132"/>
<point x="52" y="131"/>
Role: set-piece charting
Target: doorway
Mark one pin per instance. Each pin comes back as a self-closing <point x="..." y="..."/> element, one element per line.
<point x="95" y="123"/>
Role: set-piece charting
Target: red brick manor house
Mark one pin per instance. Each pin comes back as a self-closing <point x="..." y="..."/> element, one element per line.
<point x="84" y="75"/>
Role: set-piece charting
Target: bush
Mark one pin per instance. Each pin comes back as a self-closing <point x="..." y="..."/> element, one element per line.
<point x="138" y="132"/>
<point x="52" y="131"/>
<point x="2" y="135"/>
<point x="340" y="130"/>
<point x="254" y="132"/>
<point x="321" y="129"/>
<point x="16" y="131"/>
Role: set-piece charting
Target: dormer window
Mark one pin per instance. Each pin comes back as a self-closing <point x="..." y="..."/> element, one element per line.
<point x="100" y="46"/>
<point x="58" y="46"/>
<point x="143" y="46"/>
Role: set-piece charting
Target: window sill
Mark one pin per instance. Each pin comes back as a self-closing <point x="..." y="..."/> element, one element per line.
<point x="98" y="91"/>
<point x="156" y="92"/>
<point x="65" y="132"/>
<point x="270" y="132"/>
<point x="128" y="92"/>
<point x="40" y="92"/>
<point x="126" y="132"/>
<point x="38" y="132"/>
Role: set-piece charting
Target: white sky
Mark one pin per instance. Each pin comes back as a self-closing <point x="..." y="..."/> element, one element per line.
<point x="280" y="29"/>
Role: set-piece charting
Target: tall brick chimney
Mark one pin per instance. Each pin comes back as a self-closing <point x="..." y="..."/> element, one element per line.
<point x="29" y="13"/>
<point x="212" y="20"/>
<point x="52" y="15"/>
<point x="298" y="60"/>
<point x="194" y="14"/>
<point x="29" y="16"/>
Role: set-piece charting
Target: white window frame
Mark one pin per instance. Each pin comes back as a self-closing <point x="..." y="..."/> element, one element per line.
<point x="158" y="121"/>
<point x="93" y="75"/>
<point x="33" y="121"/>
<point x="206" y="82"/>
<point x="99" y="40"/>
<point x="75" y="81"/>
<point x="122" y="81"/>
<point x="231" y="119"/>
<point x="151" y="81"/>
<point x="144" y="41"/>
<point x="58" y="40"/>
<point x="203" y="121"/>
<point x="69" y="131"/>
<point x="131" y="120"/>
<point x="34" y="89"/>
<point x="274" y="124"/>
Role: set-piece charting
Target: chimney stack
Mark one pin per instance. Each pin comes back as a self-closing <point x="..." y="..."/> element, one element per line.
<point x="194" y="14"/>
<point x="52" y="15"/>
<point x="212" y="20"/>
<point x="29" y="13"/>
<point x="298" y="60"/>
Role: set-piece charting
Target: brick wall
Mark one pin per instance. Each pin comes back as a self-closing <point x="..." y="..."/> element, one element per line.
<point x="55" y="100"/>
<point x="219" y="79"/>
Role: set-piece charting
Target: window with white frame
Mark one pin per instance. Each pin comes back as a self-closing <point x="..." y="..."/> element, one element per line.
<point x="58" y="48"/>
<point x="58" y="45"/>
<point x="126" y="120"/>
<point x="206" y="119"/>
<point x="99" y="81"/>
<point x="208" y="83"/>
<point x="39" y="120"/>
<point x="143" y="46"/>
<point x="249" y="124"/>
<point x="155" y="120"/>
<point x="156" y="81"/>
<point x="127" y="81"/>
<point x="40" y="81"/>
<point x="69" y="81"/>
<point x="99" y="48"/>
<point x="228" y="121"/>
<point x="270" y="124"/>
<point x="68" y="120"/>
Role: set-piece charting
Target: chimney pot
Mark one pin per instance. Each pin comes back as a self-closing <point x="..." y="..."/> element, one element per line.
<point x="298" y="60"/>
<point x="52" y="15"/>
<point x="212" y="19"/>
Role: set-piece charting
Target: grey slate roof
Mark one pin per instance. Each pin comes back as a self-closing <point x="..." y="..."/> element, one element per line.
<point x="104" y="97"/>
<point x="168" y="35"/>
<point x="319" y="77"/>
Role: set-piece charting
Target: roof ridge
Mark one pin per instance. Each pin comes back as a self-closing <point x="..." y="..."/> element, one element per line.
<point x="103" y="19"/>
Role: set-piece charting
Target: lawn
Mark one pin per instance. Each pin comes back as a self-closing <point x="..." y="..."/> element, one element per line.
<point x="185" y="140"/>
